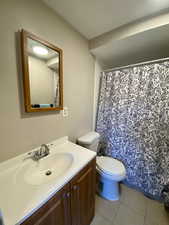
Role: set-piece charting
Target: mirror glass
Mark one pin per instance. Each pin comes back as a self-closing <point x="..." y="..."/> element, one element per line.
<point x="43" y="65"/>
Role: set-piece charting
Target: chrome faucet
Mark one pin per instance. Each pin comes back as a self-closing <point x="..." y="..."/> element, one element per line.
<point x="40" y="153"/>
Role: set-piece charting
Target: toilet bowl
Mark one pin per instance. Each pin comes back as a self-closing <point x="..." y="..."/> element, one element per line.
<point x="110" y="171"/>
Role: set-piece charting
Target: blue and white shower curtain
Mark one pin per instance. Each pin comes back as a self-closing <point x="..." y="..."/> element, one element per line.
<point x="133" y="120"/>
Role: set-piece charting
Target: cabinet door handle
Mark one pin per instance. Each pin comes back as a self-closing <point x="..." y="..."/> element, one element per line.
<point x="68" y="195"/>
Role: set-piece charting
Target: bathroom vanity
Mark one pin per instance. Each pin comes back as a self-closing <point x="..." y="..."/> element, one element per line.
<point x="31" y="196"/>
<point x="72" y="205"/>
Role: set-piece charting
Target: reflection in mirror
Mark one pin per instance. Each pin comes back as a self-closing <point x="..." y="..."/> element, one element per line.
<point x="42" y="74"/>
<point x="43" y="71"/>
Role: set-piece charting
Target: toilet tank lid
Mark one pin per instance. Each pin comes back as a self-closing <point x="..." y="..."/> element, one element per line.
<point x="89" y="138"/>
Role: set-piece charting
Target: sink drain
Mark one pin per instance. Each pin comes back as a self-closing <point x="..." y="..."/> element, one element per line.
<point x="48" y="173"/>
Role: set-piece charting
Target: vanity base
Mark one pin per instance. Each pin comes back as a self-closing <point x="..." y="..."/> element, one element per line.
<point x="74" y="204"/>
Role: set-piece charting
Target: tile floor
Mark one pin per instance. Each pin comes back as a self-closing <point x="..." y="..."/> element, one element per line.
<point x="133" y="208"/>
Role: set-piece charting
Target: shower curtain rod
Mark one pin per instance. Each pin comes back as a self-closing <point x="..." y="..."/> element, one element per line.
<point x="137" y="64"/>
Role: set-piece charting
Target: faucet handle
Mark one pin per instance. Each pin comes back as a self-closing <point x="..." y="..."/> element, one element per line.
<point x="44" y="149"/>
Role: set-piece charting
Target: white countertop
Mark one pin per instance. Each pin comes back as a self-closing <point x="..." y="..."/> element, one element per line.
<point x="18" y="199"/>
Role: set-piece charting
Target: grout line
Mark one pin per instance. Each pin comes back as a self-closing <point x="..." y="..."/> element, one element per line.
<point x="115" y="214"/>
<point x="117" y="210"/>
<point x="145" y="215"/>
<point x="109" y="221"/>
<point x="136" y="211"/>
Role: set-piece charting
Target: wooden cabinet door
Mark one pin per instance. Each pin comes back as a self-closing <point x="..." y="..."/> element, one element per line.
<point x="83" y="195"/>
<point x="55" y="212"/>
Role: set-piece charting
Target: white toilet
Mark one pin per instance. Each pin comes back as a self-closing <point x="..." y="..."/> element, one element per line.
<point x="110" y="171"/>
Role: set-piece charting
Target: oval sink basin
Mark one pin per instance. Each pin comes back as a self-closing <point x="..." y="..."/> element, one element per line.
<point x="46" y="169"/>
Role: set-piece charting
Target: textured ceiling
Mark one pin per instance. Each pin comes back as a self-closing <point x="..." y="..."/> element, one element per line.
<point x="94" y="17"/>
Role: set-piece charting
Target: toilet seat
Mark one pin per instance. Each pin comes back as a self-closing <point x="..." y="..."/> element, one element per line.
<point x="113" y="168"/>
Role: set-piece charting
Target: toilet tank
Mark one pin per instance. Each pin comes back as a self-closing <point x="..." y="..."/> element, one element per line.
<point x="90" y="141"/>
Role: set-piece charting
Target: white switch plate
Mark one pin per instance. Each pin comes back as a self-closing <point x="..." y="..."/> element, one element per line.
<point x="65" y="111"/>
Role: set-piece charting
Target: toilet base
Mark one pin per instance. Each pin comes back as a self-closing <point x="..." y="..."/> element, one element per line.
<point x="107" y="198"/>
<point x="108" y="188"/>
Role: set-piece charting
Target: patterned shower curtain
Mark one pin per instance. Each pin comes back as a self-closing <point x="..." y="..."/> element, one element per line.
<point x="133" y="120"/>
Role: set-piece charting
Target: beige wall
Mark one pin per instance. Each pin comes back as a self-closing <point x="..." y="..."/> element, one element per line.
<point x="97" y="77"/>
<point x="20" y="132"/>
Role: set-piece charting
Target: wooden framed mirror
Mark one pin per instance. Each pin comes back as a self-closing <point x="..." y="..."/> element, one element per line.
<point x="42" y="65"/>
